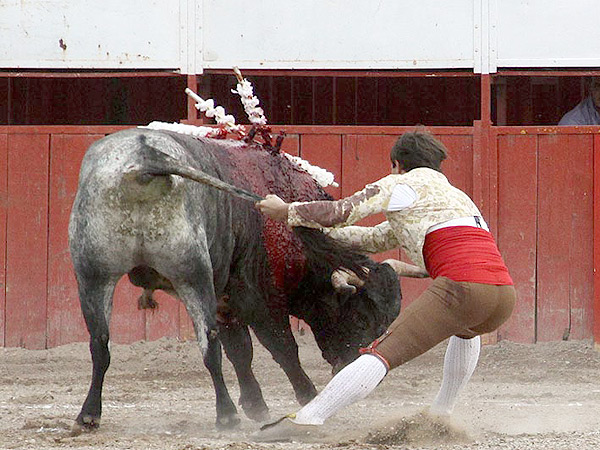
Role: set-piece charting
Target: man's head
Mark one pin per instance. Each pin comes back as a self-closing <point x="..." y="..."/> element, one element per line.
<point x="417" y="149"/>
<point x="595" y="91"/>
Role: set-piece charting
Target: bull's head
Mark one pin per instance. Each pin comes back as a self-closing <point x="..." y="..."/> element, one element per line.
<point x="342" y="324"/>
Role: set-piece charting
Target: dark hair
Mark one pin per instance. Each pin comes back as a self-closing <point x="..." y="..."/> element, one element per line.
<point x="324" y="254"/>
<point x="418" y="149"/>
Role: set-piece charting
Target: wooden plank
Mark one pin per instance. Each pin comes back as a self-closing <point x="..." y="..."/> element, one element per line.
<point x="480" y="144"/>
<point x="3" y="210"/>
<point x="27" y="241"/>
<point x="186" y="327"/>
<point x="562" y="235"/>
<point x="517" y="198"/>
<point x="596" y="219"/>
<point x="581" y="256"/>
<point x="65" y="321"/>
<point x="163" y="321"/>
<point x="291" y="144"/>
<point x="492" y="218"/>
<point x="324" y="151"/>
<point x="458" y="167"/>
<point x="553" y="239"/>
<point x="128" y="323"/>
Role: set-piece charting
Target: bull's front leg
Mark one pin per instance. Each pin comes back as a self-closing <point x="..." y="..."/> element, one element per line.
<point x="278" y="339"/>
<point x="237" y="343"/>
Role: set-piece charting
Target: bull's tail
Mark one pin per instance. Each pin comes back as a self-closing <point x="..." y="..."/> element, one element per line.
<point x="158" y="163"/>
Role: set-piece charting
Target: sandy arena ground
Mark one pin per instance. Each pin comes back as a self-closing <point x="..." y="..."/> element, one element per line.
<point x="158" y="395"/>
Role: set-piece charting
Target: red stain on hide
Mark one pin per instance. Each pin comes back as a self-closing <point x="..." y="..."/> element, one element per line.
<point x="265" y="173"/>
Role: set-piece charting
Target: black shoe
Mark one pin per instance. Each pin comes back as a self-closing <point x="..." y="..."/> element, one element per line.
<point x="284" y="430"/>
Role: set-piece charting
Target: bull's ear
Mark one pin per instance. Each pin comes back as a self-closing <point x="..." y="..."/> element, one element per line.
<point x="383" y="290"/>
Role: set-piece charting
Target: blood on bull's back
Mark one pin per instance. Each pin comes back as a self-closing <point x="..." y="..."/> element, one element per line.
<point x="265" y="173"/>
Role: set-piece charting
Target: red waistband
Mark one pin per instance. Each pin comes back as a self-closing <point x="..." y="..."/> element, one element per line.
<point x="465" y="254"/>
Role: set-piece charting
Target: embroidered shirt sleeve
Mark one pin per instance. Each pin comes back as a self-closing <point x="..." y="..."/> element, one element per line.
<point x="375" y="239"/>
<point x="371" y="200"/>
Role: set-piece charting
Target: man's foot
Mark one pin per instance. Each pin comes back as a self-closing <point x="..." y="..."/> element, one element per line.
<point x="284" y="430"/>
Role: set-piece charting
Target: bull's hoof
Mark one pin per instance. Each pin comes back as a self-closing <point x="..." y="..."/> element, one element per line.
<point x="85" y="424"/>
<point x="228" y="422"/>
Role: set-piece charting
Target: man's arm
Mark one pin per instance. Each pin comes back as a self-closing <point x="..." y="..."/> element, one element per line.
<point x="375" y="239"/>
<point x="371" y="200"/>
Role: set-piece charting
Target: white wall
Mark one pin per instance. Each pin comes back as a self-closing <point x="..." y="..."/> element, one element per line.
<point x="193" y="35"/>
<point x="347" y="34"/>
<point x="100" y="34"/>
<point x="548" y="33"/>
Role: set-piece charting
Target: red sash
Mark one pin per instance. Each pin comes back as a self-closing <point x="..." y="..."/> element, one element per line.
<point x="465" y="254"/>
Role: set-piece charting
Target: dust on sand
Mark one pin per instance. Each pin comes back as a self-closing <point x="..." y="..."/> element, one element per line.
<point x="158" y="395"/>
<point x="419" y="430"/>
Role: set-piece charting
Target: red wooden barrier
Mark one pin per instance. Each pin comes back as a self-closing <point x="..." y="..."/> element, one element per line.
<point x="596" y="261"/>
<point x="546" y="222"/>
<point x="565" y="185"/>
<point x="27" y="241"/>
<point x="64" y="323"/>
<point x="517" y="229"/>
<point x="3" y="209"/>
<point x="535" y="185"/>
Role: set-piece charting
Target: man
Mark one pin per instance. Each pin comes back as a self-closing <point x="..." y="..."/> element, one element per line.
<point x="443" y="232"/>
<point x="587" y="112"/>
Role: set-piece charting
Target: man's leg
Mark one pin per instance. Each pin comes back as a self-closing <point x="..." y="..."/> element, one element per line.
<point x="459" y="363"/>
<point x="352" y="383"/>
<point x="434" y="316"/>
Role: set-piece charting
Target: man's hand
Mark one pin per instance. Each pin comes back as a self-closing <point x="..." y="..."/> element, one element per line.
<point x="273" y="207"/>
<point x="403" y="269"/>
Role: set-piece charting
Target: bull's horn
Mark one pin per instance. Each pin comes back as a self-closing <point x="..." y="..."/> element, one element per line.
<point x="345" y="281"/>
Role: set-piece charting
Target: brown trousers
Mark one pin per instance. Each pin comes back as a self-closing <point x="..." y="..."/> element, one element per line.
<point x="447" y="308"/>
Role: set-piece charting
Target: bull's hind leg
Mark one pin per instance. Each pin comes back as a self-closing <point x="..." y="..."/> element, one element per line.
<point x="200" y="302"/>
<point x="238" y="348"/>
<point x="278" y="339"/>
<point x="95" y="293"/>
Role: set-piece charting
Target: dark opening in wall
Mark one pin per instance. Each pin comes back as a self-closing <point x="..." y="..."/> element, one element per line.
<point x="132" y="100"/>
<point x="535" y="99"/>
<point x="353" y="100"/>
<point x="366" y="99"/>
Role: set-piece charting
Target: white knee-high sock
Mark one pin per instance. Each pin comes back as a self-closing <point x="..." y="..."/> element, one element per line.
<point x="459" y="363"/>
<point x="352" y="383"/>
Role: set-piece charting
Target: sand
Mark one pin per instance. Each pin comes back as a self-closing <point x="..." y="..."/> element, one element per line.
<point x="158" y="395"/>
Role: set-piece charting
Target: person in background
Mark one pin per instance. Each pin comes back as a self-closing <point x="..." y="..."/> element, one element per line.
<point x="443" y="232"/>
<point x="587" y="112"/>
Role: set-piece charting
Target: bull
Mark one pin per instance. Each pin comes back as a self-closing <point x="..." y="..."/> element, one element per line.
<point x="137" y="212"/>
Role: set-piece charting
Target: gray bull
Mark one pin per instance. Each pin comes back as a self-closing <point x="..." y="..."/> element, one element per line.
<point x="136" y="214"/>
